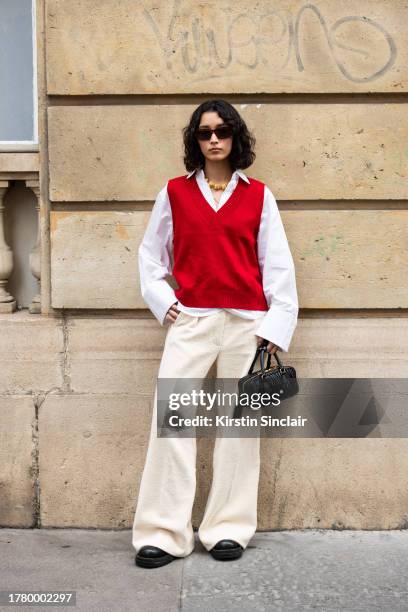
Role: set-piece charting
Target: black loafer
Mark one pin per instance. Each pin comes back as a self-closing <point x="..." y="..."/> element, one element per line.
<point x="153" y="556"/>
<point x="226" y="550"/>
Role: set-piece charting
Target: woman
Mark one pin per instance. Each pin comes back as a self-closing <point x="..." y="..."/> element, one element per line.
<point x="220" y="233"/>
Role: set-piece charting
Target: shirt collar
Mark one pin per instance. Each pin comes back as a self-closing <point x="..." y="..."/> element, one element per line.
<point x="238" y="171"/>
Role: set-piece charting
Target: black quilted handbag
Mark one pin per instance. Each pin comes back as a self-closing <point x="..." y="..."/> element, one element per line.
<point x="279" y="379"/>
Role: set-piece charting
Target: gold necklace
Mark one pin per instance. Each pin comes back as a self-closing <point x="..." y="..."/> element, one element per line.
<point x="216" y="186"/>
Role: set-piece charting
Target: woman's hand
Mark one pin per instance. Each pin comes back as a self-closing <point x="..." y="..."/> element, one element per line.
<point x="172" y="314"/>
<point x="271" y="347"/>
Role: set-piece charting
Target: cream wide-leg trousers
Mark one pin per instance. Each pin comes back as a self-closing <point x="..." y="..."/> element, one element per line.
<point x="168" y="484"/>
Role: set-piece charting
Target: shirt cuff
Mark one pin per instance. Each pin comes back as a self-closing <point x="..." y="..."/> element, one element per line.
<point x="278" y="326"/>
<point x="159" y="297"/>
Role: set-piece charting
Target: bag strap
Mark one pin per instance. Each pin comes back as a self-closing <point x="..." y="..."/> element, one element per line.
<point x="253" y="362"/>
<point x="260" y="351"/>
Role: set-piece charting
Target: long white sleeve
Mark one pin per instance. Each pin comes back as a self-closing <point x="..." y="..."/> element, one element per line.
<point x="155" y="259"/>
<point x="278" y="277"/>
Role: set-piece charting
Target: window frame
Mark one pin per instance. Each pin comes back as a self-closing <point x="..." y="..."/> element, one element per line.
<point x="28" y="145"/>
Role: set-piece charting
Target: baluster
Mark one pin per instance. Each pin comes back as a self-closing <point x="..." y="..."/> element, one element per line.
<point x="35" y="255"/>
<point x="7" y="301"/>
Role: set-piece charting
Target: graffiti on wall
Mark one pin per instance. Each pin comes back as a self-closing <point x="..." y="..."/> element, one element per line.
<point x="247" y="38"/>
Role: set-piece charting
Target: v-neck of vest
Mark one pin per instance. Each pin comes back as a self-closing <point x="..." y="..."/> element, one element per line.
<point x="210" y="210"/>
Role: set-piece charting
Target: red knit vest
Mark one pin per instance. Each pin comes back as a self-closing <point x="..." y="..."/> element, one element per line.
<point x="215" y="253"/>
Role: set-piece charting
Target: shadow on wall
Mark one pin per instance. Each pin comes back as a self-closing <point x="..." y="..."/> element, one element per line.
<point x="20" y="231"/>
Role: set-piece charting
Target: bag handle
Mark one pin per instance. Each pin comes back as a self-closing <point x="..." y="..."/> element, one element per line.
<point x="261" y="352"/>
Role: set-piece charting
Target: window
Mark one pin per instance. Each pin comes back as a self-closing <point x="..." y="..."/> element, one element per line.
<point x="18" y="76"/>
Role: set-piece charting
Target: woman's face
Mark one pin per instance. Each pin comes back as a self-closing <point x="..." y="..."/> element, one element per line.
<point x="215" y="149"/>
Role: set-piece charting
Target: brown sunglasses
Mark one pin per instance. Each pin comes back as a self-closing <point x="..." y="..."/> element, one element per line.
<point x="221" y="133"/>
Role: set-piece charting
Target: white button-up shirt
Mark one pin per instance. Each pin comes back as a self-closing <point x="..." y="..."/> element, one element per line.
<point x="275" y="262"/>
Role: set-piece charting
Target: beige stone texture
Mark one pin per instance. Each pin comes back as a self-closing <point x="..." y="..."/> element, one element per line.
<point x="114" y="355"/>
<point x="94" y="258"/>
<point x="355" y="346"/>
<point x="349" y="258"/>
<point x="45" y="205"/>
<point x="31" y="354"/>
<point x="18" y="448"/>
<point x="91" y="454"/>
<point x="19" y="162"/>
<point x="313" y="151"/>
<point x="150" y="47"/>
<point x="334" y="484"/>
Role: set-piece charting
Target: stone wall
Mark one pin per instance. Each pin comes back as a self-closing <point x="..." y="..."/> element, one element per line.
<point x="323" y="88"/>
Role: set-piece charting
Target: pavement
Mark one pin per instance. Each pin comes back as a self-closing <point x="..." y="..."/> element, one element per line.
<point x="330" y="570"/>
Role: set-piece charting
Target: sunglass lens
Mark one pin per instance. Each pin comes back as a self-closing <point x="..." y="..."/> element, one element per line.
<point x="223" y="132"/>
<point x="204" y="134"/>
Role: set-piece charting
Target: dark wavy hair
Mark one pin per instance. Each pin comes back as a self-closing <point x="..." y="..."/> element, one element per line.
<point x="243" y="141"/>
